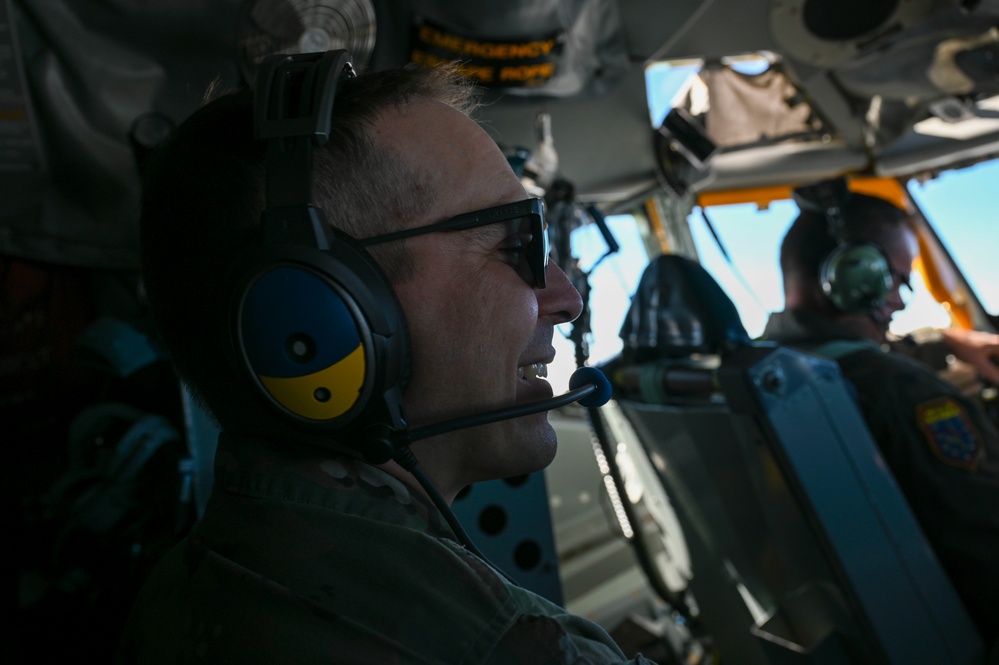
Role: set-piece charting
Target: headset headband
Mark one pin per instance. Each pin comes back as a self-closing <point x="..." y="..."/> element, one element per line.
<point x="293" y="111"/>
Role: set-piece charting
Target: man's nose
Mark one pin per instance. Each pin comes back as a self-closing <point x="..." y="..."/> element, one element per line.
<point x="895" y="300"/>
<point x="559" y="300"/>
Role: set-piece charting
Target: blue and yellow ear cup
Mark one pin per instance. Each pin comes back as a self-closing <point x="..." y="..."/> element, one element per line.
<point x="322" y="336"/>
<point x="856" y="277"/>
<point x="302" y="343"/>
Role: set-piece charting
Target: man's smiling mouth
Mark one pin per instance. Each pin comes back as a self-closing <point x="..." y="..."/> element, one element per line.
<point x="532" y="371"/>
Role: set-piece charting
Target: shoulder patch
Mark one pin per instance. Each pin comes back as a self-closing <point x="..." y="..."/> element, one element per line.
<point x="950" y="433"/>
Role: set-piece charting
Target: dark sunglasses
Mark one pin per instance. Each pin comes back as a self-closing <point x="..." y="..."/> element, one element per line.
<point x="901" y="279"/>
<point x="530" y="213"/>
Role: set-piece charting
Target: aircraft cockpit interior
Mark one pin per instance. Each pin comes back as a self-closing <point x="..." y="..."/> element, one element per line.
<point x="728" y="505"/>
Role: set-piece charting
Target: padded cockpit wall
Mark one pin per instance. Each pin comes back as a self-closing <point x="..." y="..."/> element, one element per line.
<point x="749" y="543"/>
<point x="807" y="542"/>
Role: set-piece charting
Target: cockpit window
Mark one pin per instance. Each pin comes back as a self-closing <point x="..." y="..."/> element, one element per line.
<point x="961" y="206"/>
<point x="613" y="278"/>
<point x="744" y="257"/>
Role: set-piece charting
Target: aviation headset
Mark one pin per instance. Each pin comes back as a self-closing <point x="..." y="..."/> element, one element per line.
<point x="855" y="276"/>
<point x="315" y="326"/>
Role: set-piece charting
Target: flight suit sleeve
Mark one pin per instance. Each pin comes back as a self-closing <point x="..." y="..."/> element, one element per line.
<point x="925" y="345"/>
<point x="550" y="640"/>
<point x="547" y="634"/>
<point x="944" y="453"/>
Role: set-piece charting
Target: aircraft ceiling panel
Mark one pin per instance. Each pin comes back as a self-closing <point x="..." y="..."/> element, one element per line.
<point x="604" y="143"/>
<point x="648" y="24"/>
<point x="724" y="27"/>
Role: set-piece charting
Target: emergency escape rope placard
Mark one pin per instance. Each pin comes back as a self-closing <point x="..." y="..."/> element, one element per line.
<point x="493" y="63"/>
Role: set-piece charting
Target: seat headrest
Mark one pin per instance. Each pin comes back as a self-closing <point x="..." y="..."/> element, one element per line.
<point x="678" y="310"/>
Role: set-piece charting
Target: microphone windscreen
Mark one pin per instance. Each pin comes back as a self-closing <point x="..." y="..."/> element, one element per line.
<point x="591" y="375"/>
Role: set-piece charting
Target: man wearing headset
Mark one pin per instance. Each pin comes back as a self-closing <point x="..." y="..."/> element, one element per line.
<point x="317" y="544"/>
<point x="941" y="447"/>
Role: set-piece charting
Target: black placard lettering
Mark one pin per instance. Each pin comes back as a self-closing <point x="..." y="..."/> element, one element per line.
<point x="495" y="63"/>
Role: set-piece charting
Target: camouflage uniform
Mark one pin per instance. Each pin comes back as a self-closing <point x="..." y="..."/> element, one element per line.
<point x="303" y="557"/>
<point x="941" y="447"/>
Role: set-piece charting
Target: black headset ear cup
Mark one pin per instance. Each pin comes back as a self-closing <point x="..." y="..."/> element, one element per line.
<point x="320" y="334"/>
<point x="856" y="277"/>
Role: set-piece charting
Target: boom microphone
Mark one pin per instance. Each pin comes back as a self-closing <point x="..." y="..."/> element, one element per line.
<point x="587" y="385"/>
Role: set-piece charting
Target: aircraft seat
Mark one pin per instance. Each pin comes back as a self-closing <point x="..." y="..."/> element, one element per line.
<point x="803" y="548"/>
